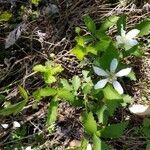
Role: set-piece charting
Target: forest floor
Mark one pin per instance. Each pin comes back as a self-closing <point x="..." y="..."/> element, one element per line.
<point x="58" y="27"/>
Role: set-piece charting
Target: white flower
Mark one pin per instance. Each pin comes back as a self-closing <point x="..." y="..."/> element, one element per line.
<point x="5" y="125"/>
<point x="89" y="147"/>
<point x="111" y="76"/>
<point x="127" y="40"/>
<point x="16" y="124"/>
<point x="28" y="148"/>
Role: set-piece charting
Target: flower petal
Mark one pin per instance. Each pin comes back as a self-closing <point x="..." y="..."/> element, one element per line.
<point x="119" y="40"/>
<point x="132" y="34"/>
<point x="123" y="72"/>
<point x="100" y="84"/>
<point x="100" y="71"/>
<point x="113" y="65"/>
<point x="5" y="125"/>
<point x="132" y="42"/>
<point x="16" y="124"/>
<point x="117" y="86"/>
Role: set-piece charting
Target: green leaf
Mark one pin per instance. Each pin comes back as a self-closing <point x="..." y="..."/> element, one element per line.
<point x="66" y="84"/>
<point x="66" y="95"/>
<point x="114" y="130"/>
<point x="44" y="92"/>
<point x="52" y="111"/>
<point x="146" y="122"/>
<point x="112" y="105"/>
<point x="80" y="40"/>
<point x="110" y="21"/>
<point x="23" y="92"/>
<point x="134" y="51"/>
<point x="5" y="16"/>
<point x="144" y="28"/>
<point x="90" y="24"/>
<point x="48" y="78"/>
<point x="111" y="94"/>
<point x="89" y="123"/>
<point x="39" y="68"/>
<point x="98" y="144"/>
<point x="108" y="56"/>
<point x="103" y="44"/>
<point x="79" y="52"/>
<point x="132" y="76"/>
<point x="76" y="82"/>
<point x="102" y="114"/>
<point x="148" y="146"/>
<point x="126" y="100"/>
<point x="121" y="21"/>
<point x="13" y="109"/>
<point x="35" y="2"/>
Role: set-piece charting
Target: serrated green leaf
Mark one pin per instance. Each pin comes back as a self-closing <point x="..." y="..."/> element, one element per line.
<point x="80" y="40"/>
<point x="66" y="84"/>
<point x="89" y="24"/>
<point x="114" y="130"/>
<point x="79" y="52"/>
<point x="39" y="68"/>
<point x="44" y="92"/>
<point x="121" y="21"/>
<point x="111" y="94"/>
<point x="52" y="111"/>
<point x="48" y="78"/>
<point x="110" y="21"/>
<point x="23" y="92"/>
<point x="13" y="109"/>
<point x="89" y="123"/>
<point x="66" y="95"/>
<point x="144" y="27"/>
<point x="76" y="82"/>
<point x="5" y="16"/>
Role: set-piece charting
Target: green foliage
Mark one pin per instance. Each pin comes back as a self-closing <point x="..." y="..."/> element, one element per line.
<point x="90" y="24"/>
<point x="114" y="130"/>
<point x="95" y="48"/>
<point x="121" y="21"/>
<point x="35" y="2"/>
<point x="144" y="27"/>
<point x="52" y="111"/>
<point x="109" y="22"/>
<point x="13" y="109"/>
<point x="49" y="71"/>
<point x="5" y="16"/>
<point x="89" y="123"/>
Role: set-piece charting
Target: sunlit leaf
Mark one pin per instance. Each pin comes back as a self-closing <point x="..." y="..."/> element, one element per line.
<point x="44" y="92"/>
<point x="98" y="144"/>
<point x="76" y="82"/>
<point x="110" y="21"/>
<point x="111" y="94"/>
<point x="89" y="123"/>
<point x="5" y="16"/>
<point x="52" y="111"/>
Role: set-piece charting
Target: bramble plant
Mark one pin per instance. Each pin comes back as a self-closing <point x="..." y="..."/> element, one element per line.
<point x="99" y="97"/>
